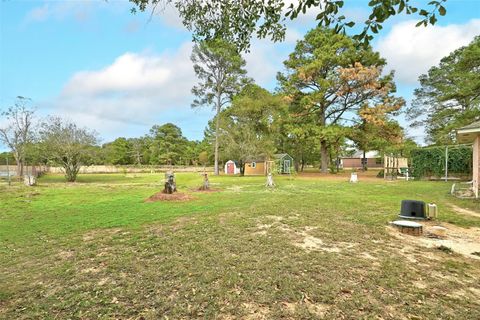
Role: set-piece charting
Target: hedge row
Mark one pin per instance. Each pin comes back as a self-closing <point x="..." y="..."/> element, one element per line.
<point x="430" y="161"/>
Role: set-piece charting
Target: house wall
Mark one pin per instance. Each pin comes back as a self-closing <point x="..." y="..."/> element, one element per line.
<point x="476" y="164"/>
<point x="357" y="163"/>
<point x="258" y="170"/>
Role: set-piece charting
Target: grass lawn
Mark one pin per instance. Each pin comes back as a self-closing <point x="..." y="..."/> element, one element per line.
<point x="314" y="247"/>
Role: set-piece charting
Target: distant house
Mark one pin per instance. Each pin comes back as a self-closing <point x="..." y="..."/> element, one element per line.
<point x="372" y="159"/>
<point x="232" y="167"/>
<point x="284" y="163"/>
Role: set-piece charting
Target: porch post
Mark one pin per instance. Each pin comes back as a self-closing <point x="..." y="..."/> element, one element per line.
<point x="476" y="163"/>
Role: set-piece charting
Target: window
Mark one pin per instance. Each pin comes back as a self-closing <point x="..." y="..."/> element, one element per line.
<point x="378" y="161"/>
<point x="254" y="165"/>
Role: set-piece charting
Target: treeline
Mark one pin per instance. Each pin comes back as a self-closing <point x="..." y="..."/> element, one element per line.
<point x="164" y="145"/>
<point x="332" y="95"/>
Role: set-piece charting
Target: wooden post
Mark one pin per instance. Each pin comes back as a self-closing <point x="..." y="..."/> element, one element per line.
<point x="446" y="163"/>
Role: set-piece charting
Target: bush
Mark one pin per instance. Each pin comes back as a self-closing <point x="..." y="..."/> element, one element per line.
<point x="430" y="161"/>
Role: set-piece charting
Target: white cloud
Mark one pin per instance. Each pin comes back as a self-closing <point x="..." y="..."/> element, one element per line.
<point x="411" y="50"/>
<point x="266" y="58"/>
<point x="38" y="14"/>
<point x="135" y="89"/>
<point x="62" y="10"/>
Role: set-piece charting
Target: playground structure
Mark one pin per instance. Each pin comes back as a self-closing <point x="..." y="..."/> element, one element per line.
<point x="394" y="167"/>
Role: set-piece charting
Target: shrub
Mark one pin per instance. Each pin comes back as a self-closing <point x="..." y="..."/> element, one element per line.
<point x="430" y="161"/>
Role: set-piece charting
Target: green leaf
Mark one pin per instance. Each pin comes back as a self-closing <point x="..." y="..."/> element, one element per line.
<point x="442" y="11"/>
<point x="423" y="12"/>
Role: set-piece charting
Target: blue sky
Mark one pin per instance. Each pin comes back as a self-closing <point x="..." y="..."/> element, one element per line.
<point x="97" y="64"/>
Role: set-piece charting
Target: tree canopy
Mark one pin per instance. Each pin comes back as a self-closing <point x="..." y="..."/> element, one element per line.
<point x="332" y="82"/>
<point x="18" y="133"/>
<point x="66" y="144"/>
<point x="167" y="145"/>
<point x="449" y="95"/>
<point x="250" y="127"/>
<point x="238" y="21"/>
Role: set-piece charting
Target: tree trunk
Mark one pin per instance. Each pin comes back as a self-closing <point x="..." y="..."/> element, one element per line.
<point x="217" y="128"/>
<point x="324" y="156"/>
<point x="297" y="166"/>
<point x="71" y="172"/>
<point x="19" y="169"/>
<point x="242" y="168"/>
<point x="18" y="160"/>
<point x="364" y="161"/>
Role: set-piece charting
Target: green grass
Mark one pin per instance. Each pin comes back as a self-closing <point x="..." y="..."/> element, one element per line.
<point x="95" y="249"/>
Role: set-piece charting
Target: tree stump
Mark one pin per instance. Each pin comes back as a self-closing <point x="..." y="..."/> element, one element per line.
<point x="206" y="183"/>
<point x="29" y="180"/>
<point x="270" y="183"/>
<point x="170" y="184"/>
<point x="353" y="177"/>
<point x="408" y="227"/>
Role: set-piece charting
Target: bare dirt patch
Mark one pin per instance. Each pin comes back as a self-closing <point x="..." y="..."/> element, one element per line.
<point x="464" y="211"/>
<point x="255" y="311"/>
<point x="93" y="234"/>
<point x="317" y="309"/>
<point x="301" y="238"/>
<point x="65" y="255"/>
<point x="465" y="241"/>
<point x="182" y="222"/>
<point x="177" y="196"/>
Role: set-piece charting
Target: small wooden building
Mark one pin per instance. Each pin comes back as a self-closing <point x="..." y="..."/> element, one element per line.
<point x="471" y="134"/>
<point x="284" y="163"/>
<point x="256" y="167"/>
<point x="232" y="167"/>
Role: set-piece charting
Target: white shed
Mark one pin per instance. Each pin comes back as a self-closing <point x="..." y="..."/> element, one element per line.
<point x="231" y="167"/>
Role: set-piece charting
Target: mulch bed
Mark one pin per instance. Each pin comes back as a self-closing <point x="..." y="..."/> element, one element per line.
<point x="177" y="196"/>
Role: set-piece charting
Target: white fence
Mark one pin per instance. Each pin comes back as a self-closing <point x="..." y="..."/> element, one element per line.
<point x="103" y="169"/>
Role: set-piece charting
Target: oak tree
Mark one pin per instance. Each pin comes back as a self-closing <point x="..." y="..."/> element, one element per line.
<point x="66" y="144"/>
<point x="17" y="134"/>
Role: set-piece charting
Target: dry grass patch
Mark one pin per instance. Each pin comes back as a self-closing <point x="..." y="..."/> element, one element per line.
<point x="174" y="197"/>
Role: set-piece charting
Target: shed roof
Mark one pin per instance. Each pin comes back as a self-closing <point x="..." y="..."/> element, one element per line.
<point x="281" y="155"/>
